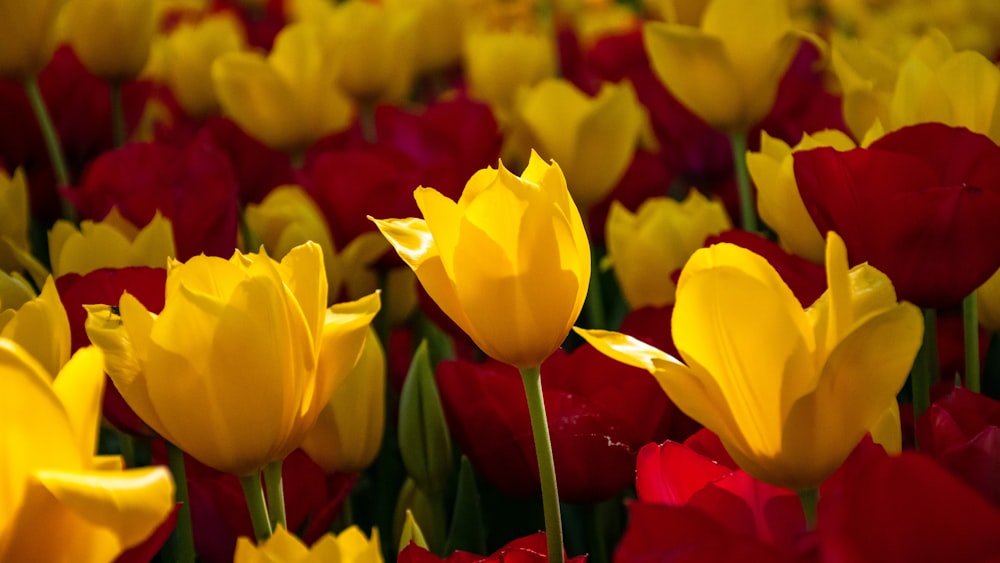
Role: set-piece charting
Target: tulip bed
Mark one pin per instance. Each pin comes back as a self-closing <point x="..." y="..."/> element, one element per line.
<point x="487" y="280"/>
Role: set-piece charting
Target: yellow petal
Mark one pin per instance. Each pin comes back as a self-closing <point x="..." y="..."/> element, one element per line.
<point x="282" y="546"/>
<point x="80" y="388"/>
<point x="302" y="269"/>
<point x="42" y="328"/>
<point x="255" y="96"/>
<point x="887" y="432"/>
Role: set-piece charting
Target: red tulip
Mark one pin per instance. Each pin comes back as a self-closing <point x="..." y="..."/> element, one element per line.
<point x="529" y="549"/>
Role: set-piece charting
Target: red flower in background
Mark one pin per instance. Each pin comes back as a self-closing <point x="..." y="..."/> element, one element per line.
<point x="600" y="412"/>
<point x="920" y="204"/>
<point x="529" y="549"/>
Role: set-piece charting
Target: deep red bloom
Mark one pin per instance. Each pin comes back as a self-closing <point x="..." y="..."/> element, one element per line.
<point x="920" y="204"/>
<point x="529" y="549"/>
<point x="600" y="412"/>
<point x="147" y="550"/>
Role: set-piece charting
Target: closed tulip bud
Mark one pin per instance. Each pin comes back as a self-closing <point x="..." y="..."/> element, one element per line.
<point x="245" y="354"/>
<point x="13" y="220"/>
<point x="411" y="533"/>
<point x="187" y="57"/>
<point x="498" y="63"/>
<point x="509" y="262"/>
<point x="61" y="502"/>
<point x="348" y="433"/>
<point x="349" y="546"/>
<point x="778" y="199"/>
<point x="111" y="37"/>
<point x="39" y="326"/>
<point x="29" y="32"/>
<point x="592" y="139"/>
<point x="647" y="247"/>
<point x="768" y="376"/>
<point x="111" y="243"/>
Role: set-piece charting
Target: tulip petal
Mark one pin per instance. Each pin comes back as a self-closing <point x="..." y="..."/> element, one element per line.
<point x="80" y="388"/>
<point x="254" y="95"/>
<point x="302" y="269"/>
<point x="344" y="333"/>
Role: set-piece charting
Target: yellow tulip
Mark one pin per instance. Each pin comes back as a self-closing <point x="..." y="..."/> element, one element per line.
<point x="241" y="361"/>
<point x="348" y="434"/>
<point x="60" y="502"/>
<point x="509" y="262"/>
<point x="726" y="71"/>
<point x="790" y="392"/>
<point x="15" y="291"/>
<point x="111" y="243"/>
<point x="111" y="37"/>
<point x="647" y="247"/>
<point x="593" y="139"/>
<point x="13" y="220"/>
<point x="988" y="301"/>
<point x="40" y="326"/>
<point x="188" y="54"/>
<point x="498" y="63"/>
<point x="778" y="199"/>
<point x="287" y="100"/>
<point x="349" y="546"/>
<point x="29" y="32"/>
<point x="440" y="26"/>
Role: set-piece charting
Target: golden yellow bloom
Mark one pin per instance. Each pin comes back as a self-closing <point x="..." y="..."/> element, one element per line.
<point x="349" y="546"/>
<point x="15" y="291"/>
<point x="187" y="57"/>
<point x="647" y="247"/>
<point x="29" y="32"/>
<point x="988" y="301"/>
<point x="241" y="361"/>
<point x="789" y="391"/>
<point x="287" y="100"/>
<point x="593" y="139"/>
<point x="727" y="71"/>
<point x="111" y="37"/>
<point x="13" y="220"/>
<point x="778" y="199"/>
<point x="348" y="434"/>
<point x="509" y="262"/>
<point x="60" y="502"/>
<point x="111" y="243"/>
<point x="39" y="326"/>
<point x="440" y="27"/>
<point x="497" y="63"/>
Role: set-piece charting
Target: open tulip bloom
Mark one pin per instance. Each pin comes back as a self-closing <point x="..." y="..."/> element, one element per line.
<point x="790" y="391"/>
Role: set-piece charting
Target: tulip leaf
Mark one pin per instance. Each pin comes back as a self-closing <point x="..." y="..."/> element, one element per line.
<point x="467" y="532"/>
<point x="424" y="440"/>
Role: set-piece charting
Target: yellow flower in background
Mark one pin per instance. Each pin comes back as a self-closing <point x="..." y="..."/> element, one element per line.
<point x="349" y="546"/>
<point x="509" y="262"/>
<point x="15" y="291"/>
<point x="60" y="502"/>
<point x="111" y="243"/>
<point x="111" y="37"/>
<point x="684" y="12"/>
<point x="727" y="70"/>
<point x="29" y="36"/>
<point x="14" y="219"/>
<point x="593" y="139"/>
<point x="440" y="26"/>
<point x="498" y="63"/>
<point x="348" y="434"/>
<point x="790" y="392"/>
<point x="988" y="301"/>
<point x="289" y="99"/>
<point x="39" y="326"/>
<point x="187" y="56"/>
<point x="241" y="361"/>
<point x="647" y="247"/>
<point x="778" y="199"/>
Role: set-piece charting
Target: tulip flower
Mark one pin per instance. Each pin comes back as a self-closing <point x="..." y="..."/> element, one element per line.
<point x="40" y="326"/>
<point x="778" y="199"/>
<point x="237" y="367"/>
<point x="767" y="376"/>
<point x="529" y="549"/>
<point x="30" y="32"/>
<point x="13" y="220"/>
<point x="988" y="303"/>
<point x="646" y="247"/>
<point x="111" y="37"/>
<point x="497" y="63"/>
<point x="111" y="243"/>
<point x="593" y="138"/>
<point x="887" y="202"/>
<point x="288" y="100"/>
<point x="15" y="291"/>
<point x="61" y="502"/>
<point x="440" y="26"/>
<point x="349" y="546"/>
<point x="509" y="262"/>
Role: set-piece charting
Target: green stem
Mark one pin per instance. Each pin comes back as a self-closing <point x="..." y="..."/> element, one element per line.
<point x="119" y="135"/>
<point x="275" y="495"/>
<point x="52" y="143"/>
<point x="251" y="242"/>
<point x="598" y="533"/>
<point x="531" y="377"/>
<point x="925" y="365"/>
<point x="970" y="319"/>
<point x="255" y="503"/>
<point x="595" y="294"/>
<point x="366" y="120"/>
<point x="810" y="501"/>
<point x="748" y="208"/>
<point x="183" y="531"/>
<point x="126" y="445"/>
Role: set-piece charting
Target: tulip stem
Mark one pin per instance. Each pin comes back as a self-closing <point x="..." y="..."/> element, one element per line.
<point x="595" y="294"/>
<point x="970" y="319"/>
<point x="255" y="503"/>
<point x="183" y="531"/>
<point x="748" y="210"/>
<point x="275" y="494"/>
<point x="52" y="144"/>
<point x="925" y="365"/>
<point x="366" y="120"/>
<point x="118" y="133"/>
<point x="810" y="501"/>
<point x="531" y="377"/>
